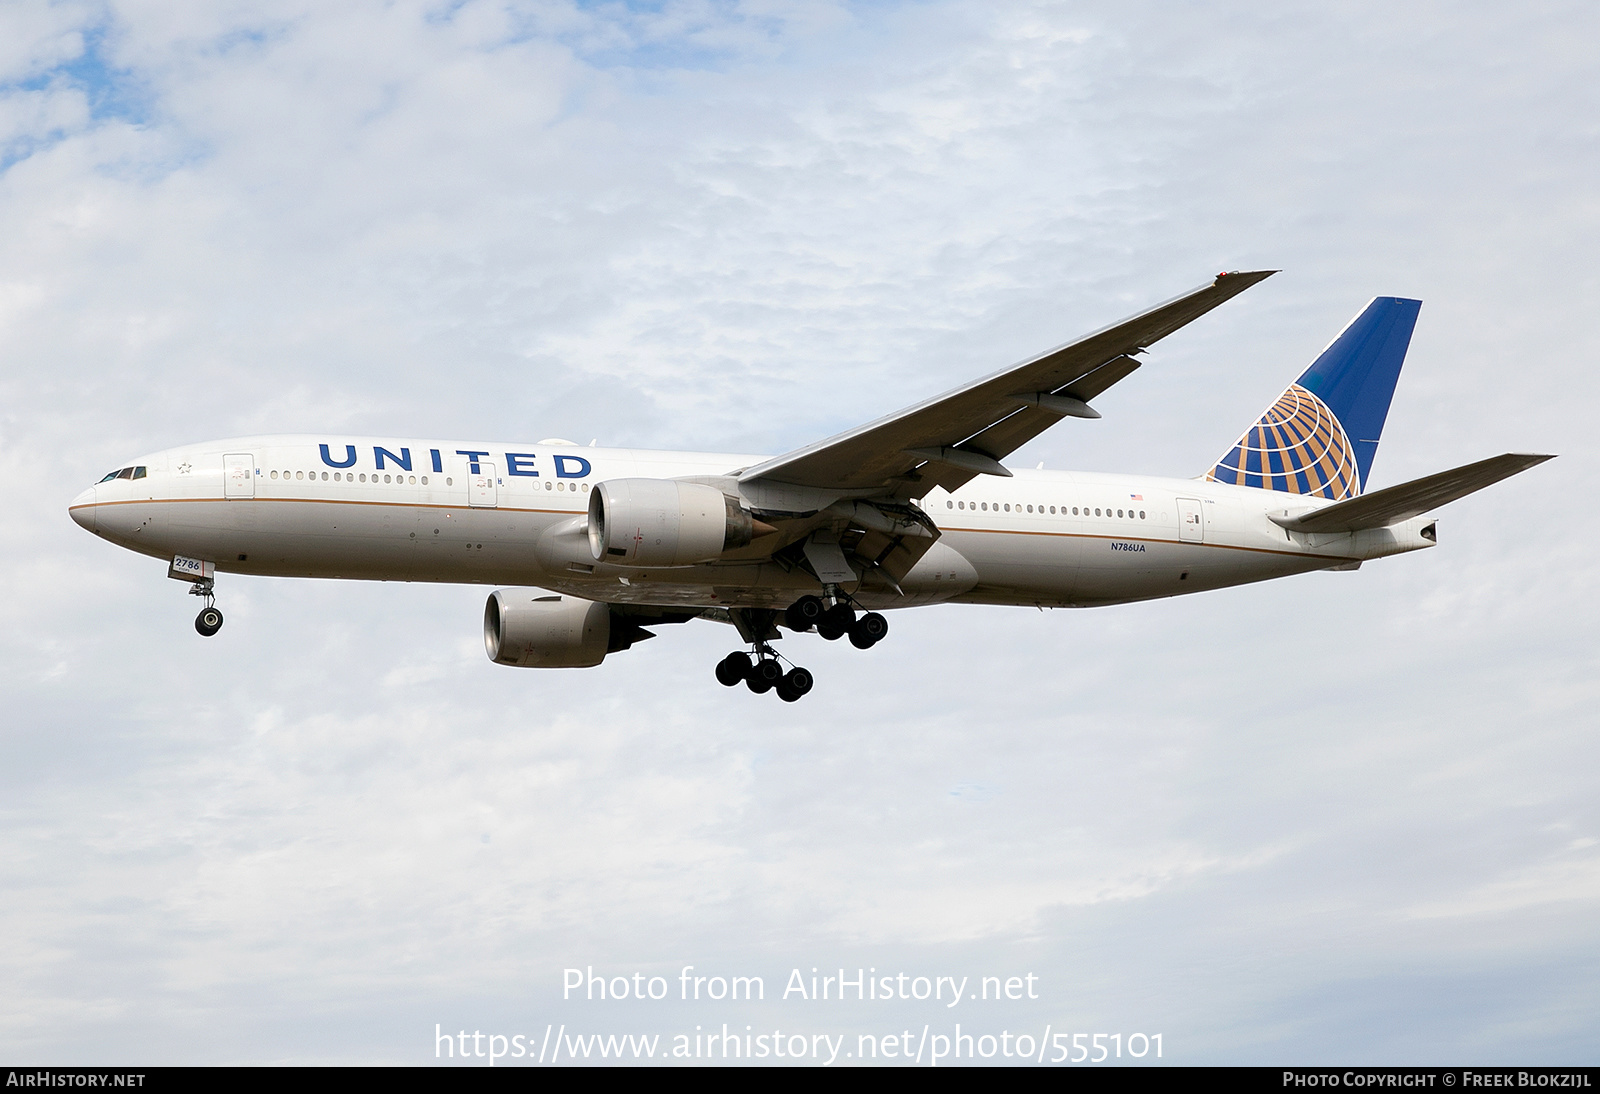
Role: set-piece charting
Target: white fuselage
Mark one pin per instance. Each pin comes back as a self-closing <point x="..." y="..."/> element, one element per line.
<point x="493" y="513"/>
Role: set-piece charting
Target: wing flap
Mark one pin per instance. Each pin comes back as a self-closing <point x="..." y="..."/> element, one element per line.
<point x="1394" y="504"/>
<point x="1090" y="384"/>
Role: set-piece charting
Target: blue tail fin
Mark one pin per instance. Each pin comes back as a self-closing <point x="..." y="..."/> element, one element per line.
<point x="1319" y="438"/>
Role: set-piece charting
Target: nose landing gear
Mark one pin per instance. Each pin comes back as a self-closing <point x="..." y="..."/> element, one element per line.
<point x="209" y="621"/>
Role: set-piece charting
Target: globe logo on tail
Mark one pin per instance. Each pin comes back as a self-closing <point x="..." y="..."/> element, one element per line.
<point x="1298" y="447"/>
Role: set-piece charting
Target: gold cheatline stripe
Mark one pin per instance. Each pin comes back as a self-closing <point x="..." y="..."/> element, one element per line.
<point x="1145" y="539"/>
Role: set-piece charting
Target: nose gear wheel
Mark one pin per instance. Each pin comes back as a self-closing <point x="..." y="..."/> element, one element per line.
<point x="209" y="621"/>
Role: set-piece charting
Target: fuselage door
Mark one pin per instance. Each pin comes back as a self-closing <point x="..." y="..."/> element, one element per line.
<point x="481" y="493"/>
<point x="1191" y="520"/>
<point x="238" y="475"/>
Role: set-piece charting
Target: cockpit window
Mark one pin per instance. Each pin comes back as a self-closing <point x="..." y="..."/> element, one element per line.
<point x="109" y="476"/>
<point x="125" y="473"/>
<point x="138" y="472"/>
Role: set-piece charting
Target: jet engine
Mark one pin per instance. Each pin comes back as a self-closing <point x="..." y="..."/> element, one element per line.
<point x="664" y="522"/>
<point x="531" y="628"/>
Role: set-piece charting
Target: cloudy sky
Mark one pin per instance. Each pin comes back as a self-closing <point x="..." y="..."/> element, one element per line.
<point x="1342" y="817"/>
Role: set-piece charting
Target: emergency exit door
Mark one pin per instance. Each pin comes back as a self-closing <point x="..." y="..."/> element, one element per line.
<point x="481" y="487"/>
<point x="1191" y="520"/>
<point x="239" y="475"/>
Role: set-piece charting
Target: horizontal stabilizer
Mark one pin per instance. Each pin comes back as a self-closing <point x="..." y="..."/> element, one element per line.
<point x="1381" y="508"/>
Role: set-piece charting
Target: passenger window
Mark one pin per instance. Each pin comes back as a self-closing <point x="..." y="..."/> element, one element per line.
<point x="450" y="480"/>
<point x="274" y="474"/>
<point x="1097" y="512"/>
<point x="386" y="478"/>
<point x="1119" y="512"/>
<point x="949" y="505"/>
<point x="1141" y="514"/>
<point x="413" y="478"/>
<point x="364" y="477"/>
<point x="424" y="480"/>
<point x="324" y="476"/>
<point x="299" y="474"/>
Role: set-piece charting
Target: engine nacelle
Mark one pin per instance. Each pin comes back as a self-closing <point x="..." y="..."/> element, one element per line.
<point x="532" y="628"/>
<point x="664" y="522"/>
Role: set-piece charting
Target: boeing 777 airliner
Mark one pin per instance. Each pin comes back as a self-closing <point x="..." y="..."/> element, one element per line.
<point x="596" y="544"/>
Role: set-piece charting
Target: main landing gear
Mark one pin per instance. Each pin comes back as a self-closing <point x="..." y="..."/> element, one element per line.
<point x="834" y="623"/>
<point x="209" y="621"/>
<point x="764" y="674"/>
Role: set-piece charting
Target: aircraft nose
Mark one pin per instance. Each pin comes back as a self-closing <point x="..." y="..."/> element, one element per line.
<point x="82" y="509"/>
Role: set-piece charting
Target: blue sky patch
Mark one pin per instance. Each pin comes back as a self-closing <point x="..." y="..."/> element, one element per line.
<point x="113" y="94"/>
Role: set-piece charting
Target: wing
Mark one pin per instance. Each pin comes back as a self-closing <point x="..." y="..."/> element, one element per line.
<point x="1394" y="504"/>
<point x="969" y="430"/>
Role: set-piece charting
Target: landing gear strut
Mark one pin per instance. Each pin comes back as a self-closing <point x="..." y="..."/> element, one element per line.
<point x="836" y="622"/>
<point x="209" y="621"/>
<point x="761" y="670"/>
<point x="764" y="674"/>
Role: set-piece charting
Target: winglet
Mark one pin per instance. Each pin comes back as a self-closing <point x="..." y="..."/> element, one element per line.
<point x="1253" y="275"/>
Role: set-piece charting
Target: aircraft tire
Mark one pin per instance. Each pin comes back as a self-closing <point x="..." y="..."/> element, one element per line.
<point x="208" y="622"/>
<point x="841" y="617"/>
<point x="868" y="631"/>
<point x="797" y="682"/>
<point x="764" y="677"/>
<point x="804" y="613"/>
<point x="732" y="669"/>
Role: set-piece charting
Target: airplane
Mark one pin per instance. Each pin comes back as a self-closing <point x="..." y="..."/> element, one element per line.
<point x="594" y="545"/>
